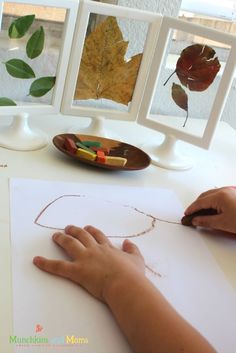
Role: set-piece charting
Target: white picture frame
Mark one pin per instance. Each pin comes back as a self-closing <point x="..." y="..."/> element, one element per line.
<point x="86" y="8"/>
<point x="166" y="155"/>
<point x="18" y="135"/>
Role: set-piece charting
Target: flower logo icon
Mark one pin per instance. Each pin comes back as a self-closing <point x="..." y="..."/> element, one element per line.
<point x="38" y="328"/>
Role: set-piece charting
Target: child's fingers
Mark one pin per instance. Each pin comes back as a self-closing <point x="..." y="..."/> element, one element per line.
<point x="81" y="234"/>
<point x="194" y="207"/>
<point x="207" y="193"/>
<point x="55" y="267"/>
<point x="71" y="246"/>
<point x="201" y="203"/>
<point x="208" y="222"/>
<point x="211" y="192"/>
<point x="98" y="235"/>
<point x="130" y="248"/>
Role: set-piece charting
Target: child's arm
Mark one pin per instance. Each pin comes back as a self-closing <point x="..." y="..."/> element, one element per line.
<point x="117" y="278"/>
<point x="149" y="322"/>
<point x="223" y="200"/>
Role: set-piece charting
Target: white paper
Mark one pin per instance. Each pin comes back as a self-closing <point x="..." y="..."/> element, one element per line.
<point x="178" y="263"/>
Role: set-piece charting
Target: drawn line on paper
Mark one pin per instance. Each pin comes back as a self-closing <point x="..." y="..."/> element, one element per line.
<point x="153" y="219"/>
<point x="155" y="273"/>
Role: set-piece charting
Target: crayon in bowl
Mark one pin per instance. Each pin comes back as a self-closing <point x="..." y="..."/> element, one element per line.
<point x="93" y="151"/>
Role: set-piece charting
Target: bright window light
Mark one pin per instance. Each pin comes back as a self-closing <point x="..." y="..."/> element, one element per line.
<point x="216" y="8"/>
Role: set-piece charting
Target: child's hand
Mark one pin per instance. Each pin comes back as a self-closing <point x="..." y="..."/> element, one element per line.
<point x="96" y="264"/>
<point x="223" y="200"/>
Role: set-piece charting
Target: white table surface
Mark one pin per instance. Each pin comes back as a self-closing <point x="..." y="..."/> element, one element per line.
<point x="213" y="168"/>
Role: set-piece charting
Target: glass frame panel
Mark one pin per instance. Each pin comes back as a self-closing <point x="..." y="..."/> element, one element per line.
<point x="86" y="8"/>
<point x="71" y="7"/>
<point x="144" y="119"/>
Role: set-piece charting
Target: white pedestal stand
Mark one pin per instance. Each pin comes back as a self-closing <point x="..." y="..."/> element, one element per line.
<point x="96" y="128"/>
<point x="166" y="155"/>
<point x="20" y="137"/>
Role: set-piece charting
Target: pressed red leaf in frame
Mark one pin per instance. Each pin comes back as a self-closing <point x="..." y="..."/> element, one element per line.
<point x="197" y="67"/>
<point x="180" y="97"/>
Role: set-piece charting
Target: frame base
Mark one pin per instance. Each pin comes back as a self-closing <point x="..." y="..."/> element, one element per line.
<point x="20" y="137"/>
<point x="96" y="128"/>
<point x="166" y="155"/>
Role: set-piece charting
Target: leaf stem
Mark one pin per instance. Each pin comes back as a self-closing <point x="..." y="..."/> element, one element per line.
<point x="169" y="78"/>
<point x="186" y="119"/>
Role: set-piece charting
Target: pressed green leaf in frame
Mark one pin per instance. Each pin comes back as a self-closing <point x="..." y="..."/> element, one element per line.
<point x="35" y="44"/>
<point x="42" y="86"/>
<point x="19" y="69"/>
<point x="180" y="98"/>
<point x="14" y="32"/>
<point x="4" y="101"/>
<point x="20" y="26"/>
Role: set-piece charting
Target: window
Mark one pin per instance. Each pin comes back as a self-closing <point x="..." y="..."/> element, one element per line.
<point x="217" y="14"/>
<point x="212" y="8"/>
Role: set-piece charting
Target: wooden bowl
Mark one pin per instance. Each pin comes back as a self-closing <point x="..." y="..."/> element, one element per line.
<point x="136" y="158"/>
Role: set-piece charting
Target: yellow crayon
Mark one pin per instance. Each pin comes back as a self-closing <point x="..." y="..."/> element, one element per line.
<point x="86" y="154"/>
<point x="116" y="161"/>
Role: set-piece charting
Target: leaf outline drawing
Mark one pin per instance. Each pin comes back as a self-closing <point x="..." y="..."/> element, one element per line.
<point x="152" y="225"/>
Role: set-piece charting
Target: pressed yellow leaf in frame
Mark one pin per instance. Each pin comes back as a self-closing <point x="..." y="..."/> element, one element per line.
<point x="104" y="72"/>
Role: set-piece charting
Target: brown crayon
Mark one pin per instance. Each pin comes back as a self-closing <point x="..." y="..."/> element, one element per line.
<point x="187" y="219"/>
